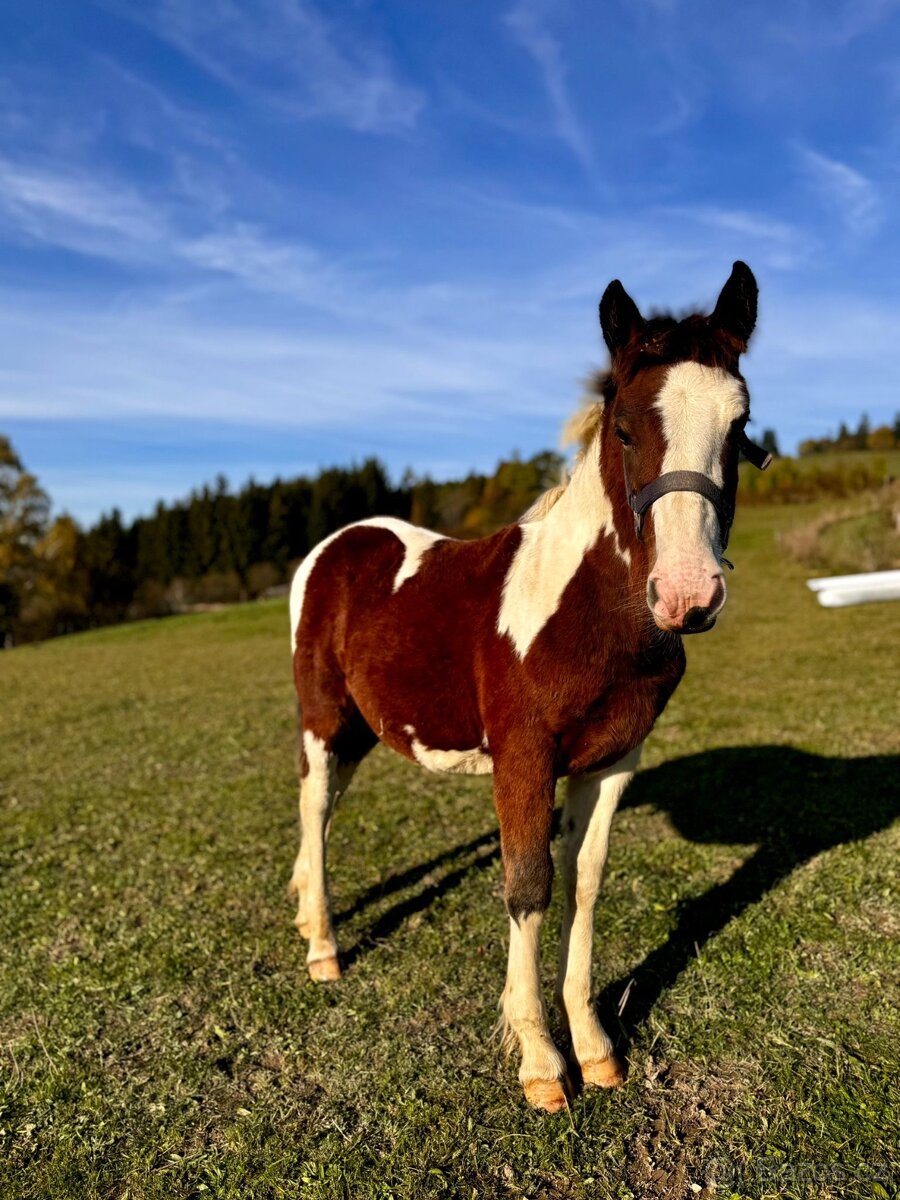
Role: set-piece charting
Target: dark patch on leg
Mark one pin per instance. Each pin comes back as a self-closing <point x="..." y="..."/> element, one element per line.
<point x="302" y="763"/>
<point x="529" y="880"/>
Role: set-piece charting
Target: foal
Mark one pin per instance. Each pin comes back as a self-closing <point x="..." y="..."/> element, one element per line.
<point x="547" y="649"/>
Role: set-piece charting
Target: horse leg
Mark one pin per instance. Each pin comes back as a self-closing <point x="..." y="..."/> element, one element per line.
<point x="524" y="796"/>
<point x="297" y="887"/>
<point x="318" y="793"/>
<point x="327" y="764"/>
<point x="591" y="801"/>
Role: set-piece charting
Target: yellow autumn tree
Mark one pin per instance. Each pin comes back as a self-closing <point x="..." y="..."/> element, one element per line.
<point x="58" y="600"/>
<point x="24" y="510"/>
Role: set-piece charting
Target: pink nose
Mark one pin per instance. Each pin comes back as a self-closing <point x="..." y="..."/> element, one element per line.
<point x="684" y="611"/>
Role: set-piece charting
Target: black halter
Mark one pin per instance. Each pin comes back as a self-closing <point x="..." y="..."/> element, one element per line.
<point x="693" y="481"/>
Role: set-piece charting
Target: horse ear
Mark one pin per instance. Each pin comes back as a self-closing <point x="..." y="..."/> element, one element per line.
<point x="735" y="309"/>
<point x="619" y="317"/>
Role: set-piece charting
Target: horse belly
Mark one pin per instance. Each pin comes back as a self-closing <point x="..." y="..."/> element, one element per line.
<point x="414" y="687"/>
<point x="422" y="715"/>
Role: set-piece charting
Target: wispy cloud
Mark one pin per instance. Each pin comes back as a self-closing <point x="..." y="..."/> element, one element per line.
<point x="782" y="244"/>
<point x="288" y="55"/>
<point x="76" y="212"/>
<point x="271" y="265"/>
<point x="150" y="117"/>
<point x="426" y="386"/>
<point x="527" y="23"/>
<point x="809" y="25"/>
<point x="104" y="219"/>
<point x="855" y="198"/>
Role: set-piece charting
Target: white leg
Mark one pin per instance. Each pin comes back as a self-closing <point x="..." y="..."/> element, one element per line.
<point x="299" y="885"/>
<point x="318" y="792"/>
<point x="590" y="804"/>
<point x="543" y="1071"/>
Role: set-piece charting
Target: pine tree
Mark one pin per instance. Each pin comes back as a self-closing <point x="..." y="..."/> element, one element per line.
<point x="277" y="534"/>
<point x="862" y="433"/>
<point x="107" y="552"/>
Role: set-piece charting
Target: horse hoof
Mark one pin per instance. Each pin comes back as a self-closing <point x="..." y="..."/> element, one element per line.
<point x="324" y="970"/>
<point x="602" y="1072"/>
<point x="549" y="1095"/>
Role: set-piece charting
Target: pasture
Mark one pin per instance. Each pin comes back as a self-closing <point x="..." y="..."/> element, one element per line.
<point x="159" y="1036"/>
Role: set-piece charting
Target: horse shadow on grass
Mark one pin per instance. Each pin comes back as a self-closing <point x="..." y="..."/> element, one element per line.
<point x="436" y="880"/>
<point x="789" y="804"/>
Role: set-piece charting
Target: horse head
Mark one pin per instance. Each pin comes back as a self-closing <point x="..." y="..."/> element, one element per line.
<point x="672" y="431"/>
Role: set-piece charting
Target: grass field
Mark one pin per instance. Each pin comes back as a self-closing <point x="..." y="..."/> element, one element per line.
<point x="158" y="1034"/>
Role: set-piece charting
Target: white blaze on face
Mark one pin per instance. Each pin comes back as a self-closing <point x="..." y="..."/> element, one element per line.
<point x="698" y="406"/>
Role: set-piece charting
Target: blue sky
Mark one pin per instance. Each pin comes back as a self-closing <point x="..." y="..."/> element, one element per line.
<point x="264" y="237"/>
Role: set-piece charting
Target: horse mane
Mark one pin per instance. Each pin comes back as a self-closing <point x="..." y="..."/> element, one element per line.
<point x="579" y="430"/>
<point x="543" y="504"/>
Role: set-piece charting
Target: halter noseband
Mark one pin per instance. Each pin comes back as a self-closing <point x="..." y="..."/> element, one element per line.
<point x="693" y="481"/>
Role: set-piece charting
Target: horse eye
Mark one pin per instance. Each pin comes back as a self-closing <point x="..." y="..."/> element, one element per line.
<point x="623" y="437"/>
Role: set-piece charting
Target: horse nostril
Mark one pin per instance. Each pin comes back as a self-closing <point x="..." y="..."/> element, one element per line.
<point x="652" y="593"/>
<point x="718" y="597"/>
<point x="696" y="618"/>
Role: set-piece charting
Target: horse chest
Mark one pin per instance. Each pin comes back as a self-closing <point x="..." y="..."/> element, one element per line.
<point x="617" y="721"/>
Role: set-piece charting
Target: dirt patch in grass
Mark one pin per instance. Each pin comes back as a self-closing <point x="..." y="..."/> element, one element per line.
<point x="68" y="941"/>
<point x="669" y="1158"/>
<point x="873" y="919"/>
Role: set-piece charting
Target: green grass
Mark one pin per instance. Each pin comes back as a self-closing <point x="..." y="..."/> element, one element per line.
<point x="158" y="1034"/>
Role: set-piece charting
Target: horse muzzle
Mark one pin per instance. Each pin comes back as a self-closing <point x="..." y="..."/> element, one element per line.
<point x="690" y="609"/>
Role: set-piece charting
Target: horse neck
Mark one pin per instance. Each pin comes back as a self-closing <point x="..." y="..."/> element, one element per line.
<point x="582" y="527"/>
<point x="594" y="505"/>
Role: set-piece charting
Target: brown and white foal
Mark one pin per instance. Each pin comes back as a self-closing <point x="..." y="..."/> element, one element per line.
<point x="547" y="649"/>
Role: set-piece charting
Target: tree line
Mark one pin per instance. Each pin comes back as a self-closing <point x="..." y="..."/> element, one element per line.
<point x="863" y="437"/>
<point x="218" y="545"/>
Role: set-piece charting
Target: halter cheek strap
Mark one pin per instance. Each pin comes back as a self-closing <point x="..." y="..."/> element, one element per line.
<point x="753" y="453"/>
<point x="694" y="481"/>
